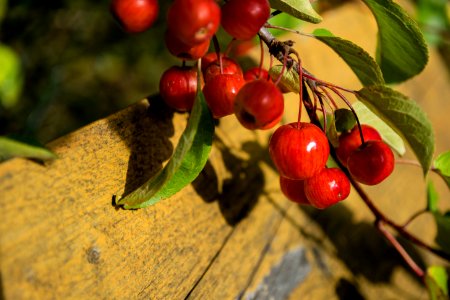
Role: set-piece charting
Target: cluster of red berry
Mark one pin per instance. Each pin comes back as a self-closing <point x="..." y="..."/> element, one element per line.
<point x="251" y="96"/>
<point x="299" y="150"/>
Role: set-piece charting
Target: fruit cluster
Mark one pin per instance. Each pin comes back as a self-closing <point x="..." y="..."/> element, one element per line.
<point x="299" y="150"/>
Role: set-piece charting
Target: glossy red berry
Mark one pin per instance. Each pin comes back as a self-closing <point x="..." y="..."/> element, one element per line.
<point x="327" y="188"/>
<point x="299" y="151"/>
<point x="242" y="19"/>
<point x="208" y="59"/>
<point x="181" y="50"/>
<point x="220" y="93"/>
<point x="259" y="105"/>
<point x="294" y="190"/>
<point x="256" y="73"/>
<point x="178" y="87"/>
<point x="135" y="15"/>
<point x="193" y="21"/>
<point x="229" y="66"/>
<point x="350" y="141"/>
<point x="371" y="163"/>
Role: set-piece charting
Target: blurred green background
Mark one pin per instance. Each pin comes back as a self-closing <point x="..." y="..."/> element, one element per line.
<point x="66" y="63"/>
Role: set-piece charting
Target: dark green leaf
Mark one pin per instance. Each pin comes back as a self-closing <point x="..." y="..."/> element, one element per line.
<point x="366" y="116"/>
<point x="442" y="165"/>
<point x="362" y="64"/>
<point x="301" y="9"/>
<point x="12" y="148"/>
<point x="436" y="281"/>
<point x="443" y="231"/>
<point x="188" y="160"/>
<point x="405" y="117"/>
<point x="11" y="80"/>
<point x="432" y="197"/>
<point x="401" y="52"/>
<point x="344" y="119"/>
<point x="433" y="18"/>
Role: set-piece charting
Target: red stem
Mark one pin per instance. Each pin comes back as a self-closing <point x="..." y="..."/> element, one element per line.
<point x="261" y="60"/>
<point x="404" y="254"/>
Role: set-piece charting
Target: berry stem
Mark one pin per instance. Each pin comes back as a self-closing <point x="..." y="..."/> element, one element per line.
<point x="415" y="163"/>
<point x="337" y="92"/>
<point x="267" y="25"/>
<point x="414" y="216"/>
<point x="217" y="48"/>
<point x="379" y="215"/>
<point x="300" y="92"/>
<point x="400" y="249"/>
<point x="229" y="46"/>
<point x="261" y="59"/>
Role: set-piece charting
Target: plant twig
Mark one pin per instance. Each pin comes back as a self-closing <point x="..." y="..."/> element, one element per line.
<point x="404" y="254"/>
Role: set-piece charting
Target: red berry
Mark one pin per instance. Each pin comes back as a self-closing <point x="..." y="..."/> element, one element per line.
<point x="350" y="141"/>
<point x="208" y="59"/>
<point x="256" y="73"/>
<point x="184" y="51"/>
<point x="178" y="87"/>
<point x="326" y="188"/>
<point x="220" y="92"/>
<point x="135" y="15"/>
<point x="242" y="19"/>
<point x="299" y="151"/>
<point x="371" y="163"/>
<point x="229" y="66"/>
<point x="193" y="21"/>
<point x="293" y="190"/>
<point x="259" y="105"/>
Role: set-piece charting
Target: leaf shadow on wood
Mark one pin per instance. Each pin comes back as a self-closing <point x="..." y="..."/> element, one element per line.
<point x="238" y="194"/>
<point x="360" y="246"/>
<point x="346" y="289"/>
<point x="146" y="132"/>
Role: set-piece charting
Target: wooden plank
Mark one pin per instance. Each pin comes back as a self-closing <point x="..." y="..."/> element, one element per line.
<point x="61" y="238"/>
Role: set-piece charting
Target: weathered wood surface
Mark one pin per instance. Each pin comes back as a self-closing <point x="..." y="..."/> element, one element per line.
<point x="230" y="234"/>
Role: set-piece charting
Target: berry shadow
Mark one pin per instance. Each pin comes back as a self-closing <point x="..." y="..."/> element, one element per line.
<point x="360" y="246"/>
<point x="239" y="194"/>
<point x="146" y="132"/>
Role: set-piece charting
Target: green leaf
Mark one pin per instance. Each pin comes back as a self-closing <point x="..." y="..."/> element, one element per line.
<point x="331" y="131"/>
<point x="362" y="64"/>
<point x="436" y="282"/>
<point x="289" y="80"/>
<point x="443" y="230"/>
<point x="402" y="52"/>
<point x="433" y="18"/>
<point x="405" y="117"/>
<point x="12" y="148"/>
<point x="366" y="116"/>
<point x="301" y="9"/>
<point x="442" y="165"/>
<point x="432" y="197"/>
<point x="11" y="79"/>
<point x="345" y="120"/>
<point x="285" y="21"/>
<point x="188" y="160"/>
